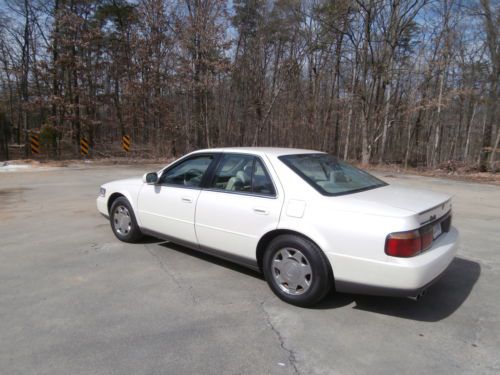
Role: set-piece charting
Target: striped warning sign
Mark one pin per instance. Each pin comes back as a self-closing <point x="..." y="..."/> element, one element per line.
<point x="35" y="143"/>
<point x="84" y="146"/>
<point x="126" y="143"/>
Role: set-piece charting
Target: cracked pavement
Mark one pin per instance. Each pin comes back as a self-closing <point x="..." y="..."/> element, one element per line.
<point x="74" y="300"/>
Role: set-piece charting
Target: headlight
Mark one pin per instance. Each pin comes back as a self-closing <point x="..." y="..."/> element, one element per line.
<point x="102" y="192"/>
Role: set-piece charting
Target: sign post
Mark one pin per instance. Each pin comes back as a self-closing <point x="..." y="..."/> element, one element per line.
<point x="84" y="146"/>
<point x="126" y="143"/>
<point x="35" y="143"/>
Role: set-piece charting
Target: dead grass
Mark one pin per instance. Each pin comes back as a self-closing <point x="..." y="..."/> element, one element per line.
<point x="449" y="170"/>
<point x="460" y="174"/>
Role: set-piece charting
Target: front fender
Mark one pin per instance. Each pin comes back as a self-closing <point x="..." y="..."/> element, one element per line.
<point x="129" y="191"/>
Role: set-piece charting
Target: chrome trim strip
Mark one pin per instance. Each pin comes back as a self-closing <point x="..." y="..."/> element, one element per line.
<point x="433" y="208"/>
<point x="241" y="193"/>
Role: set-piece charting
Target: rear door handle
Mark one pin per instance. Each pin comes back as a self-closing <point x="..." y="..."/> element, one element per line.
<point x="187" y="199"/>
<point x="260" y="211"/>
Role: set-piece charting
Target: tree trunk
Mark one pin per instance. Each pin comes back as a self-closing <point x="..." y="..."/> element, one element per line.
<point x="492" y="107"/>
<point x="494" y="153"/>
<point x="469" y="131"/>
<point x="438" y="129"/>
<point x="25" y="78"/>
<point x="351" y="110"/>
<point x="386" y="124"/>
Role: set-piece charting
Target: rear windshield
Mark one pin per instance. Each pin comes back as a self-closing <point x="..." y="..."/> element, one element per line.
<point x="329" y="175"/>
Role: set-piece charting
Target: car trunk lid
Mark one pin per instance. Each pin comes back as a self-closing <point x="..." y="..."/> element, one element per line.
<point x="428" y="205"/>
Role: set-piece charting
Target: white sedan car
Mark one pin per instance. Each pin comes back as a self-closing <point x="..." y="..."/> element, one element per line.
<point x="307" y="220"/>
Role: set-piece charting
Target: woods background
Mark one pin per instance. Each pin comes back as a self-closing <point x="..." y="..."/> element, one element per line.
<point x="401" y="81"/>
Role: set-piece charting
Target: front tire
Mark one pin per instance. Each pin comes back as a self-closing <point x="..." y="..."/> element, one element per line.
<point x="297" y="270"/>
<point x="123" y="222"/>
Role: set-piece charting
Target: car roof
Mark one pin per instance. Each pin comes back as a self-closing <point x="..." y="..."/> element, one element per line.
<point x="272" y="151"/>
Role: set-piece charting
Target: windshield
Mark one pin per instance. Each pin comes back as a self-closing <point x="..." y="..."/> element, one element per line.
<point x="330" y="176"/>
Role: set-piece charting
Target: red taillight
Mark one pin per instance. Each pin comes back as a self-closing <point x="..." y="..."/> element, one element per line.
<point x="403" y="244"/>
<point x="408" y="244"/>
<point x="426" y="237"/>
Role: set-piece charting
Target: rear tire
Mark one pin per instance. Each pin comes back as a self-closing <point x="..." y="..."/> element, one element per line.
<point x="297" y="270"/>
<point x="123" y="222"/>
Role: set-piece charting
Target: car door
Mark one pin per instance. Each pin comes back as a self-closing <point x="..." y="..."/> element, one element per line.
<point x="238" y="206"/>
<point x="167" y="208"/>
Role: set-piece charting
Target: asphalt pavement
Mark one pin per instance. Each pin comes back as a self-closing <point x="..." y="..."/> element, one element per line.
<point x="75" y="300"/>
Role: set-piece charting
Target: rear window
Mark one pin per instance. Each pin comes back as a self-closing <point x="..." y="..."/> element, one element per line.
<point x="330" y="176"/>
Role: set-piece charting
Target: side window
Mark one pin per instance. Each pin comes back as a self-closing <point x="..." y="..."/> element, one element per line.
<point x="244" y="173"/>
<point x="234" y="173"/>
<point x="188" y="173"/>
<point x="261" y="181"/>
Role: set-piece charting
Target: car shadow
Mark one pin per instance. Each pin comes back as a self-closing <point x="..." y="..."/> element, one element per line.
<point x="442" y="299"/>
<point x="209" y="258"/>
<point x="149" y="240"/>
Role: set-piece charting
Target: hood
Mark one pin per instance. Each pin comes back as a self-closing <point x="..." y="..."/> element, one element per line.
<point x="126" y="181"/>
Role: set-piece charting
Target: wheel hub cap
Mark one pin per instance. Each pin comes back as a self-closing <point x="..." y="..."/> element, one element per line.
<point x="122" y="221"/>
<point x="292" y="271"/>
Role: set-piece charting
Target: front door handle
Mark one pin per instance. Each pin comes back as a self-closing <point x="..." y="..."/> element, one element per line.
<point x="187" y="199"/>
<point x="260" y="211"/>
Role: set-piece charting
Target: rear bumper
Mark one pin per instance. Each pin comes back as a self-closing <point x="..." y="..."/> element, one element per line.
<point x="355" y="288"/>
<point x="404" y="277"/>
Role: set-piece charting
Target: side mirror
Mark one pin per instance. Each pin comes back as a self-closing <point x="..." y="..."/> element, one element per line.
<point x="150" y="178"/>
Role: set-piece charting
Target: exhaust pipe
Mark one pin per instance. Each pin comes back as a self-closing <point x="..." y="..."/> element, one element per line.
<point x="419" y="295"/>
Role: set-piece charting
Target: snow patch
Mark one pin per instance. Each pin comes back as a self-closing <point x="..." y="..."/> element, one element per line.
<point x="5" y="167"/>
